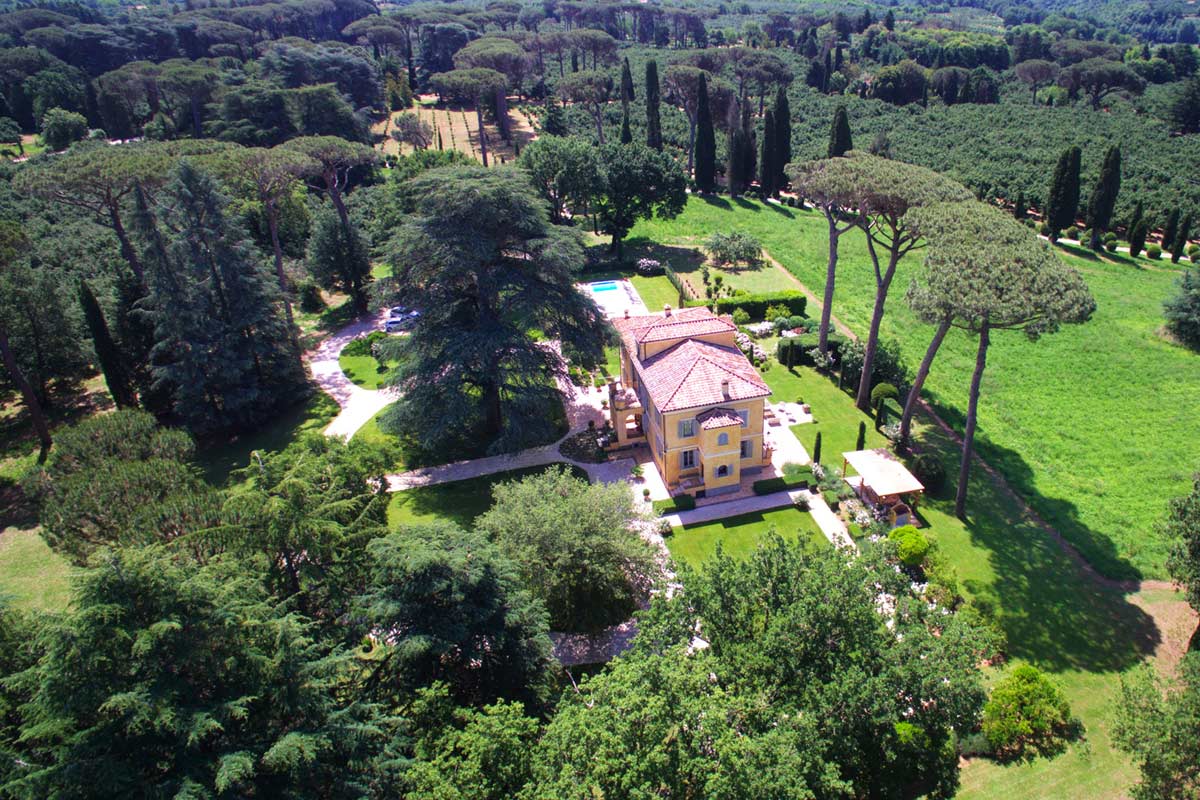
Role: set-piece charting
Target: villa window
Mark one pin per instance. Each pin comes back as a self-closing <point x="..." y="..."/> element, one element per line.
<point x="722" y="470"/>
<point x="746" y="445"/>
<point x="745" y="415"/>
<point x="687" y="428"/>
<point x="687" y="459"/>
<point x="723" y="439"/>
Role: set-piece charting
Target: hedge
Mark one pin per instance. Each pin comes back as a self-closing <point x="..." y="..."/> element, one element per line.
<point x="680" y="502"/>
<point x="756" y="304"/>
<point x="803" y="344"/>
<point x="800" y="480"/>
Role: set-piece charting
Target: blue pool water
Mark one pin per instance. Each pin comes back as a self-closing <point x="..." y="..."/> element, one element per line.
<point x="604" y="286"/>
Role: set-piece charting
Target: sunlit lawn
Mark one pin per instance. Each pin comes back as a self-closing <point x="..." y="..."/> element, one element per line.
<point x="32" y="576"/>
<point x="363" y="371"/>
<point x="740" y="536"/>
<point x="1094" y="425"/>
<point x="460" y="501"/>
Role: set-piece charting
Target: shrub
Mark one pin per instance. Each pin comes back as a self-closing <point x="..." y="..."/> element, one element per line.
<point x="1112" y="246"/>
<point x="680" y="502"/>
<point x="797" y="322"/>
<point x="740" y="317"/>
<point x="363" y="346"/>
<point x="883" y="391"/>
<point x="1027" y="713"/>
<point x="1071" y="233"/>
<point x="310" y="298"/>
<point x="816" y="453"/>
<point x="889" y="366"/>
<point x="1044" y="229"/>
<point x="791" y="352"/>
<point x="648" y="267"/>
<point x="831" y="499"/>
<point x="1153" y="251"/>
<point x="776" y="311"/>
<point x="911" y="545"/>
<point x="756" y="305"/>
<point x="930" y="471"/>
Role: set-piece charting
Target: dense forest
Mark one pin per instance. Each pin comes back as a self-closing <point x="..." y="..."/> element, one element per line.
<point x="195" y="197"/>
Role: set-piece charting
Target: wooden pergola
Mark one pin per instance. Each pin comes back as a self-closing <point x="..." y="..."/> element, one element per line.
<point x="885" y="481"/>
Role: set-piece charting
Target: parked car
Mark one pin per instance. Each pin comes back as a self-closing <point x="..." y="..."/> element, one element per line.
<point x="401" y="322"/>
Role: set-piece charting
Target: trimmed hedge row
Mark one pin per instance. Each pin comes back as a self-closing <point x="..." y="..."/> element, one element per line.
<point x="800" y="480"/>
<point x="756" y="304"/>
<point x="680" y="502"/>
<point x="802" y="344"/>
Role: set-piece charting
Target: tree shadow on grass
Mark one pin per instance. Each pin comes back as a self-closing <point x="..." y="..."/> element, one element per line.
<point x="1096" y="548"/>
<point x="1053" y="612"/>
<point x="716" y="200"/>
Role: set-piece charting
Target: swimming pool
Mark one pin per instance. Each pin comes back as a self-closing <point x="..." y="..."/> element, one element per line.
<point x="604" y="286"/>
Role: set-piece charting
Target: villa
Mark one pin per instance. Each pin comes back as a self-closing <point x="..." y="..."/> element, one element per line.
<point x="692" y="397"/>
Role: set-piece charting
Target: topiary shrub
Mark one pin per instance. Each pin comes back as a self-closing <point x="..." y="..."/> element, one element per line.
<point x="883" y="391"/>
<point x="911" y="545"/>
<point x="930" y="471"/>
<point x="1044" y="229"/>
<point x="1027" y="714"/>
<point x="740" y="317"/>
<point x="1071" y="233"/>
<point x="1153" y="251"/>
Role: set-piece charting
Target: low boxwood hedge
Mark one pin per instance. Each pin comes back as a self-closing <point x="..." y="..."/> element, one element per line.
<point x="800" y="479"/>
<point x="673" y="505"/>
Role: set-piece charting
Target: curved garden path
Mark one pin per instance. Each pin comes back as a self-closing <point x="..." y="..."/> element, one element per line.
<point x="358" y="405"/>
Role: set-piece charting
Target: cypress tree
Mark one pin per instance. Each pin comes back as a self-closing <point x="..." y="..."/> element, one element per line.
<point x="861" y="442"/>
<point x="627" y="95"/>
<point x="626" y="134"/>
<point x="827" y="72"/>
<point x="1063" y="199"/>
<point x="750" y="150"/>
<point x="1104" y="196"/>
<point x="1181" y="238"/>
<point x="653" y="121"/>
<point x="816" y="453"/>
<point x="1170" y="228"/>
<point x="735" y="171"/>
<point x="889" y="20"/>
<point x="839" y="135"/>
<point x="881" y="413"/>
<point x="1139" y="211"/>
<point x="1019" y="208"/>
<point x="783" y="137"/>
<point x="107" y="354"/>
<point x="767" y="162"/>
<point x="1137" y="237"/>
<point x="706" y="142"/>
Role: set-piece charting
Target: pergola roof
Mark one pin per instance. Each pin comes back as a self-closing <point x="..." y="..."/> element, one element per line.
<point x="882" y="473"/>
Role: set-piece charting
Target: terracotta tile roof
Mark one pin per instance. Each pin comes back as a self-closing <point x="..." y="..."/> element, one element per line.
<point x="719" y="418"/>
<point x="682" y="324"/>
<point x="690" y="374"/>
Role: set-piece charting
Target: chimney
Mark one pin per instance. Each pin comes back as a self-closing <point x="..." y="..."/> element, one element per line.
<point x="627" y="313"/>
<point x="725" y="388"/>
<point x="666" y="309"/>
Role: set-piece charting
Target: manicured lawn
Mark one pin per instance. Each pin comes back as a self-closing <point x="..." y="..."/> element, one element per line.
<point x="1094" y="425"/>
<point x="834" y="413"/>
<point x="372" y="434"/>
<point x="459" y="501"/>
<point x="740" y="536"/>
<point x="686" y="256"/>
<point x="364" y="371"/>
<point x="32" y="576"/>
<point x="310" y="416"/>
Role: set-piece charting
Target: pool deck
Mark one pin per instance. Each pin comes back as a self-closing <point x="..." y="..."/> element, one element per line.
<point x="616" y="301"/>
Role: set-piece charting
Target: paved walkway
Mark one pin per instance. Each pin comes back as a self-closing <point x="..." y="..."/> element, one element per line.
<point x="358" y="405"/>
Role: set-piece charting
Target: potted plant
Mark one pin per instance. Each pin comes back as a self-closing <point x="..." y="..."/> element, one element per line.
<point x="646" y="494"/>
<point x="637" y="473"/>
